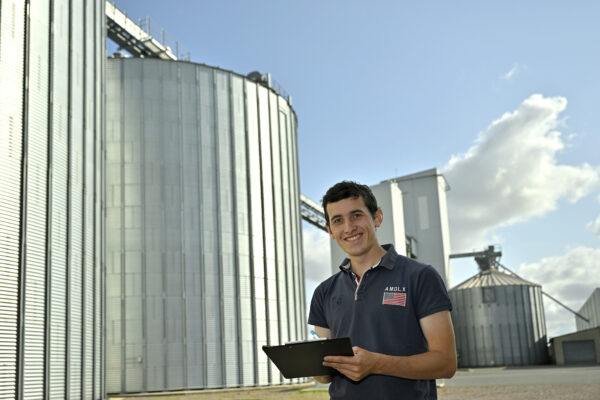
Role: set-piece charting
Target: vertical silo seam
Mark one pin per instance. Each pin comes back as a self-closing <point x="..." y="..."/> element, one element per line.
<point x="295" y="230"/>
<point x="11" y="206"/>
<point x="293" y="249"/>
<point x="285" y="216"/>
<point x="508" y="335"/>
<point x="218" y="233"/>
<point x="542" y="314"/>
<point x="275" y="150"/>
<point x="269" y="226"/>
<point x="272" y="194"/>
<point x="23" y="211"/>
<point x="232" y="379"/>
<point x="250" y="227"/>
<point x="501" y="341"/>
<point x="163" y="247"/>
<point x="517" y="325"/>
<point x="284" y="237"/>
<point x="275" y="237"/>
<point x="535" y="327"/>
<point x="541" y="323"/>
<point x="300" y="262"/>
<point x="77" y="104"/>
<point x="251" y="234"/>
<point x="95" y="42"/>
<point x="519" y="344"/>
<point x="204" y="344"/>
<point x="528" y="326"/>
<point x="264" y="240"/>
<point x="122" y="227"/>
<point x="102" y="208"/>
<point x="83" y="358"/>
<point x="49" y="198"/>
<point x="69" y="213"/>
<point x="292" y="316"/>
<point x="484" y="347"/>
<point x="491" y="351"/>
<point x="475" y="351"/>
<point x="183" y="274"/>
<point x="144" y="239"/>
<point x="236" y="245"/>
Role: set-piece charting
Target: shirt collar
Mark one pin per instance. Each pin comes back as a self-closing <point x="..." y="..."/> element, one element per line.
<point x="388" y="260"/>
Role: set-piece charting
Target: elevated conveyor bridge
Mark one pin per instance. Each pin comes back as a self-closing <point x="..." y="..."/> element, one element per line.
<point x="132" y="38"/>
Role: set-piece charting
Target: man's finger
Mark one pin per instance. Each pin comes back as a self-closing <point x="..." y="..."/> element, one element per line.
<point x="338" y="359"/>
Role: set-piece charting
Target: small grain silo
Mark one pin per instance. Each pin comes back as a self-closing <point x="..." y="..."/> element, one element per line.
<point x="498" y="318"/>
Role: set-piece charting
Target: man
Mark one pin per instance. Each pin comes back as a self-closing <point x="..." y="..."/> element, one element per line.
<point x="395" y="310"/>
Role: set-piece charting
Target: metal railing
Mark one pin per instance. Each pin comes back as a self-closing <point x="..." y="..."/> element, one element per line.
<point x="138" y="39"/>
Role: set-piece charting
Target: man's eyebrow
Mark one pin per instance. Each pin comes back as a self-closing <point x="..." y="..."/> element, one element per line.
<point x="349" y="212"/>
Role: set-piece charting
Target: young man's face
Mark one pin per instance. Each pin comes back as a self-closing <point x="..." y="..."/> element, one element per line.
<point x="352" y="226"/>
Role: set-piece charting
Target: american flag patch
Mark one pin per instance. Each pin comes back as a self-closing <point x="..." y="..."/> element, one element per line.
<point x="394" y="298"/>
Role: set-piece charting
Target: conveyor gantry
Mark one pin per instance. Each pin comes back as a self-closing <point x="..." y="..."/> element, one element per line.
<point x="312" y="213"/>
<point x="132" y="38"/>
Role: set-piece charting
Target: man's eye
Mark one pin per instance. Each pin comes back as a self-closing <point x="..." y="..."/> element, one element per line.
<point x="336" y="221"/>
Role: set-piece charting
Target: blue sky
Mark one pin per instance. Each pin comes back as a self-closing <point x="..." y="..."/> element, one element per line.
<point x="508" y="90"/>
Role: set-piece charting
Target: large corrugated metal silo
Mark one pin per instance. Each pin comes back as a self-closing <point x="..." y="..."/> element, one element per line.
<point x="498" y="320"/>
<point x="204" y="261"/>
<point x="51" y="193"/>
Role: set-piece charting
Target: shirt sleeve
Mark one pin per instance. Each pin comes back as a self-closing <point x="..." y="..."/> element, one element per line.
<point x="316" y="315"/>
<point x="432" y="295"/>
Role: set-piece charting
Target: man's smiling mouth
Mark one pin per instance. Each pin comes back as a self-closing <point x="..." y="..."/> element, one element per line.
<point x="353" y="238"/>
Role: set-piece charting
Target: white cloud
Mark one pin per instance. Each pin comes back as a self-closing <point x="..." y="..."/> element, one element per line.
<point x="507" y="76"/>
<point x="316" y="254"/>
<point x="570" y="278"/>
<point x="594" y="226"/>
<point x="511" y="173"/>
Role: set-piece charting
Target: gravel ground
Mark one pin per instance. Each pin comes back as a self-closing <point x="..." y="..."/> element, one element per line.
<point x="545" y="392"/>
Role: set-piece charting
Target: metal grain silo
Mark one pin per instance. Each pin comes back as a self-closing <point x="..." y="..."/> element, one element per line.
<point x="51" y="192"/>
<point x="204" y="260"/>
<point x="498" y="320"/>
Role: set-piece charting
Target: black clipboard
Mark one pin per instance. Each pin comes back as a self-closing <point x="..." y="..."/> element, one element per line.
<point x="300" y="359"/>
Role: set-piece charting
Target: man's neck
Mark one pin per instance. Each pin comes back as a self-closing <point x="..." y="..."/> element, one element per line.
<point x="360" y="264"/>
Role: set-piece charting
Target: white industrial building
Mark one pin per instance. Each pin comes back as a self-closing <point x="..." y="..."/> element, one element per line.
<point x="415" y="220"/>
<point x="590" y="310"/>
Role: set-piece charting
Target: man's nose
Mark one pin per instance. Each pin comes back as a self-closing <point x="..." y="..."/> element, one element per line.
<point x="348" y="225"/>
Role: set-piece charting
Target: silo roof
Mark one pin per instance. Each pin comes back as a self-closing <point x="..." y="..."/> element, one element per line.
<point x="492" y="277"/>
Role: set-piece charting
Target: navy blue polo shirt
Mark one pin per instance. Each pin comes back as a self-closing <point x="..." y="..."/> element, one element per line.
<point x="381" y="314"/>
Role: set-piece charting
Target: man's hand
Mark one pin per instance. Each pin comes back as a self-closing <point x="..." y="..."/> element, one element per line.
<point x="357" y="367"/>
<point x="323" y="333"/>
<point x="322" y="378"/>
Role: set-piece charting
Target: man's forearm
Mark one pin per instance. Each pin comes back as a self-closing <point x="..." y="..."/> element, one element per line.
<point x="429" y="365"/>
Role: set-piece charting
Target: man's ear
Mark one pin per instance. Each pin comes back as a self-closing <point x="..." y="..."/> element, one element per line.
<point x="378" y="218"/>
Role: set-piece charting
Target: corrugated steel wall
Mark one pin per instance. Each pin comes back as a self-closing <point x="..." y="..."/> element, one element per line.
<point x="504" y="327"/>
<point x="204" y="262"/>
<point x="51" y="192"/>
<point x="591" y="310"/>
